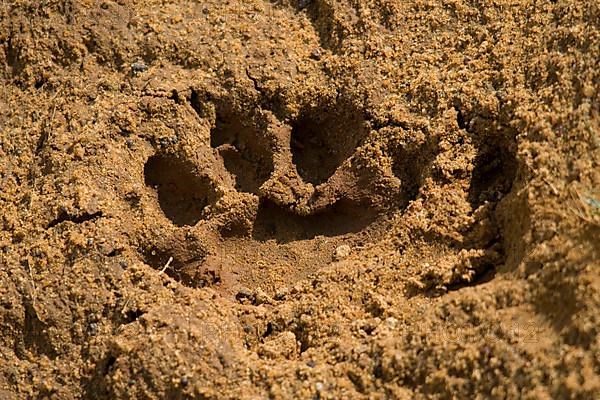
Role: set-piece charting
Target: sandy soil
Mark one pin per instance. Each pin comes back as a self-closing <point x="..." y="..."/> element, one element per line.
<point x="317" y="199"/>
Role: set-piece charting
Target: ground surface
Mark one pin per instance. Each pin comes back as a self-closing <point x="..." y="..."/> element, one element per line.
<point x="318" y="199"/>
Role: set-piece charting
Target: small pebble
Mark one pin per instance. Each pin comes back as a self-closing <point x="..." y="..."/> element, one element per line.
<point x="316" y="54"/>
<point x="391" y="322"/>
<point x="138" y="67"/>
<point x="342" y="252"/>
<point x="244" y="295"/>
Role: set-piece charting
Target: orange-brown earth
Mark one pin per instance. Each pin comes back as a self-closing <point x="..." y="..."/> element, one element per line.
<point x="321" y="199"/>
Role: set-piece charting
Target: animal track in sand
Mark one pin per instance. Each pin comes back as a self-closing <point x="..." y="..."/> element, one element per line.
<point x="289" y="193"/>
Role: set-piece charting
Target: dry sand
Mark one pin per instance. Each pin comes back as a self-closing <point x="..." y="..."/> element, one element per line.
<point x="317" y="199"/>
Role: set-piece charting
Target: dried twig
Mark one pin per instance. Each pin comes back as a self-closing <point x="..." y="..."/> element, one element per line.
<point x="166" y="266"/>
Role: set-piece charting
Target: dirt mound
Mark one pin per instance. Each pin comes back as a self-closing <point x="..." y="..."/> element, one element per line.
<point x="299" y="199"/>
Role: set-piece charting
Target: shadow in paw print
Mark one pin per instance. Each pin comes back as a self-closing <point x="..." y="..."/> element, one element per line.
<point x="182" y="265"/>
<point x="182" y="194"/>
<point x="495" y="164"/>
<point x="244" y="149"/>
<point x="284" y="226"/>
<point x="411" y="165"/>
<point x="494" y="172"/>
<point x="323" y="138"/>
